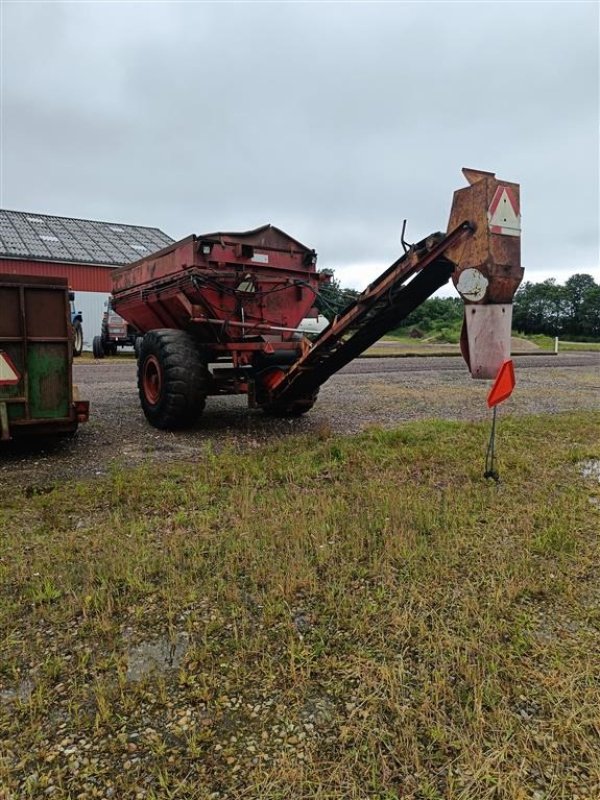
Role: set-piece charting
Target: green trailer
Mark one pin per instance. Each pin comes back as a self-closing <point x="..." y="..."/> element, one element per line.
<point x="37" y="395"/>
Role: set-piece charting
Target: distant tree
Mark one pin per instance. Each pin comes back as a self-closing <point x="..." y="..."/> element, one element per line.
<point x="538" y="308"/>
<point x="557" y="310"/>
<point x="577" y="289"/>
<point x="433" y="314"/>
<point x="546" y="307"/>
<point x="590" y="313"/>
<point x="333" y="299"/>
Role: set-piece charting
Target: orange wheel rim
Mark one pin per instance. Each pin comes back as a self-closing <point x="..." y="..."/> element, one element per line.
<point x="152" y="380"/>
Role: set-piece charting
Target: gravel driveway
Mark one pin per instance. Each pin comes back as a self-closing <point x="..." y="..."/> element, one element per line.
<point x="373" y="391"/>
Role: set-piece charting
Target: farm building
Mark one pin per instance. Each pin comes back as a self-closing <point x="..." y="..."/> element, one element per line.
<point x="84" y="251"/>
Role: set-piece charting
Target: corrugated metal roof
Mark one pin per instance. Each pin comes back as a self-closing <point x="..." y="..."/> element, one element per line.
<point x="79" y="241"/>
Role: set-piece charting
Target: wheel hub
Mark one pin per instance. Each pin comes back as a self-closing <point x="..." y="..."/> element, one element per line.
<point x="152" y="379"/>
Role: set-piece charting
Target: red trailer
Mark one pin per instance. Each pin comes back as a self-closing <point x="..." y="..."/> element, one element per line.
<point x="220" y="312"/>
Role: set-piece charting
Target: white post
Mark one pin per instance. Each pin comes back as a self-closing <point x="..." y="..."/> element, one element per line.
<point x="556" y="344"/>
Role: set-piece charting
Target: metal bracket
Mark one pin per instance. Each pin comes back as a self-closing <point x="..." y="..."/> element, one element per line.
<point x="4" y="432"/>
<point x="405" y="245"/>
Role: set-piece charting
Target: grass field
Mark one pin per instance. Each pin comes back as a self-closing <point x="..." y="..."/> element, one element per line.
<point x="405" y="346"/>
<point x="547" y="343"/>
<point x="321" y="618"/>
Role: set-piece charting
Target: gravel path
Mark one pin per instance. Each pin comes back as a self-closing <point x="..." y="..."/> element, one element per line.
<point x="373" y="391"/>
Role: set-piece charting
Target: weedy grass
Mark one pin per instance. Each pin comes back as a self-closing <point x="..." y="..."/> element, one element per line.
<point x="547" y="343"/>
<point x="321" y="618"/>
<point x="405" y="344"/>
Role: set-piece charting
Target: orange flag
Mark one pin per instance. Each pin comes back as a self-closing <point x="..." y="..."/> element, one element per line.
<point x="503" y="385"/>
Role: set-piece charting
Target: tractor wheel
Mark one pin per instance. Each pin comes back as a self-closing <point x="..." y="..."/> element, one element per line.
<point x="172" y="379"/>
<point x="98" y="347"/>
<point x="137" y="345"/>
<point x="77" y="338"/>
<point x="295" y="409"/>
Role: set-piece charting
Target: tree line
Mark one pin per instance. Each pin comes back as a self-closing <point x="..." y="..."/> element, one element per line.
<point x="571" y="310"/>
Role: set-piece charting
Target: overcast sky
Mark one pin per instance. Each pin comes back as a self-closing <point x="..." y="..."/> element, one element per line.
<point x="333" y="121"/>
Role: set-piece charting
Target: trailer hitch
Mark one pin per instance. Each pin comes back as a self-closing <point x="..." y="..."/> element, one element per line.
<point x="487" y="268"/>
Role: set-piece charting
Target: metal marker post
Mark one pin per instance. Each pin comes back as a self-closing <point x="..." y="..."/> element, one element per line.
<point x="500" y="391"/>
<point x="490" y="456"/>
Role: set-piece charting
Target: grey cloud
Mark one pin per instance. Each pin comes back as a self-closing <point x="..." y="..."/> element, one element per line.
<point x="332" y="121"/>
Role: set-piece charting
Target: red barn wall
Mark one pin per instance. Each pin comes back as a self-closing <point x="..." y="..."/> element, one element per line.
<point x="81" y="277"/>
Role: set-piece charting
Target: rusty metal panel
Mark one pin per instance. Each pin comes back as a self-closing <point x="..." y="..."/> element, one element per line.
<point x="10" y="318"/>
<point x="248" y="280"/>
<point x="48" y="369"/>
<point x="45" y="313"/>
<point x="35" y="334"/>
<point x="488" y="329"/>
<point x="488" y="267"/>
<point x="493" y="253"/>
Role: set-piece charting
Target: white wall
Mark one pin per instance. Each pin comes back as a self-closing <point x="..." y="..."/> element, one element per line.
<point x="91" y="305"/>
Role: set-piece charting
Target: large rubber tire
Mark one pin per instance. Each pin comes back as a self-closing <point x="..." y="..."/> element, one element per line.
<point x="77" y="338"/>
<point x="172" y="379"/>
<point x="137" y="345"/>
<point x="295" y="409"/>
<point x="98" y="347"/>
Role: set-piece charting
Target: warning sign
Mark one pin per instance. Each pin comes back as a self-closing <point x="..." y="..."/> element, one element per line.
<point x="503" y="214"/>
<point x="9" y="375"/>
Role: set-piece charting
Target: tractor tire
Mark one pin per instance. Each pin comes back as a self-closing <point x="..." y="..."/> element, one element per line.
<point x="98" y="347"/>
<point x="77" y="338"/>
<point x="137" y="345"/>
<point x="295" y="409"/>
<point x="172" y="379"/>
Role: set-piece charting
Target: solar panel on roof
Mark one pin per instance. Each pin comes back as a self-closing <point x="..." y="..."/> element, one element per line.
<point x="42" y="236"/>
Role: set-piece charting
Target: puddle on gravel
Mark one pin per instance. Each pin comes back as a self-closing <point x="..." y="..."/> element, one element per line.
<point x="590" y="469"/>
<point x="156" y="656"/>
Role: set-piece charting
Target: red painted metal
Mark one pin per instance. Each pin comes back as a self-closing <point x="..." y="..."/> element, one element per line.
<point x="242" y="296"/>
<point x="82" y="410"/>
<point x="152" y="379"/>
<point x="229" y="287"/>
<point x="81" y="277"/>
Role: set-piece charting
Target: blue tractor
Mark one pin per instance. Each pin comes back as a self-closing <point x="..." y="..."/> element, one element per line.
<point x="77" y="325"/>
